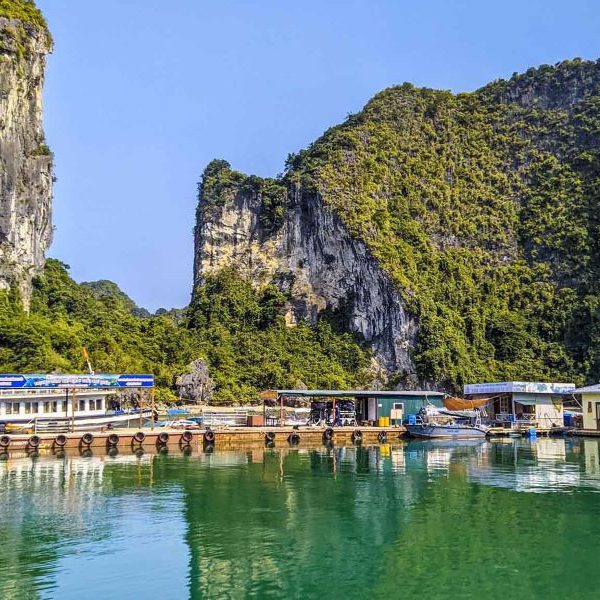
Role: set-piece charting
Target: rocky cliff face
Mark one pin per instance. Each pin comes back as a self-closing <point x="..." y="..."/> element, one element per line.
<point x="25" y="160"/>
<point x="308" y="253"/>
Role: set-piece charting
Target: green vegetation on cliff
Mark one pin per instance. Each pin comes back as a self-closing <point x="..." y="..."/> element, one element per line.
<point x="239" y="331"/>
<point x="484" y="209"/>
<point x="243" y="335"/>
<point x="220" y="184"/>
<point x="25" y="11"/>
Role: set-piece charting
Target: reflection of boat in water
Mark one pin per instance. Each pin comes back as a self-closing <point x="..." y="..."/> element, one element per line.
<point x="450" y="443"/>
<point x="432" y="423"/>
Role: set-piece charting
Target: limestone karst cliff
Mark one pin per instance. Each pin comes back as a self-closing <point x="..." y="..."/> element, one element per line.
<point x="294" y="240"/>
<point x="457" y="235"/>
<point x="25" y="160"/>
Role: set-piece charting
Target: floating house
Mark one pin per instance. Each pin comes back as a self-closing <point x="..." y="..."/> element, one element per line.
<point x="522" y="404"/>
<point x="371" y="405"/>
<point x="590" y="402"/>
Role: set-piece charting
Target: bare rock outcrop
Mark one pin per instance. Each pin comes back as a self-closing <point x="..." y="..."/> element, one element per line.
<point x="26" y="173"/>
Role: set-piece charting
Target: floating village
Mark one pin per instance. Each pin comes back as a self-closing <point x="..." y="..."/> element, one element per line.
<point x="115" y="412"/>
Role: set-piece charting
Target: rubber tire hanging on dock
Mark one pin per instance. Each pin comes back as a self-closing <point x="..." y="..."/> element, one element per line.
<point x="209" y="436"/>
<point x="139" y="437"/>
<point x="328" y="434"/>
<point x="382" y="437"/>
<point x="357" y="436"/>
<point x="187" y="437"/>
<point x="60" y="440"/>
<point x="34" y="441"/>
<point x="4" y="441"/>
<point x="293" y="439"/>
<point x="163" y="438"/>
<point x="87" y="438"/>
<point x="112" y="439"/>
<point x="269" y="437"/>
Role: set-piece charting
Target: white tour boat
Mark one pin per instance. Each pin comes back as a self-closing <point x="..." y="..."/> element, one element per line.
<point x="63" y="410"/>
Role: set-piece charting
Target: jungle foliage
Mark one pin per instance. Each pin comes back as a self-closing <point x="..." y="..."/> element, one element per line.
<point x="239" y="331"/>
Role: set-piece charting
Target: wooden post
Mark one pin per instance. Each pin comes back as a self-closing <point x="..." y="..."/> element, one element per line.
<point x="73" y="400"/>
<point x="141" y="409"/>
<point x="281" y="412"/>
<point x="514" y="425"/>
<point x="152" y="409"/>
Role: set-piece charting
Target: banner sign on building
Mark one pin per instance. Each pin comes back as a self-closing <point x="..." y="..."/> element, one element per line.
<point x="101" y="380"/>
<point x="522" y="387"/>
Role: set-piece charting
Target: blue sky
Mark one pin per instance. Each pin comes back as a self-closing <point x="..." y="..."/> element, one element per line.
<point x="142" y="94"/>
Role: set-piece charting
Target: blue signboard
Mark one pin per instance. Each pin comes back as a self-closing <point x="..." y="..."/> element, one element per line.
<point x="100" y="380"/>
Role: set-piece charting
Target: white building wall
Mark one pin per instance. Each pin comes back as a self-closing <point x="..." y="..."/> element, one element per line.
<point x="589" y="402"/>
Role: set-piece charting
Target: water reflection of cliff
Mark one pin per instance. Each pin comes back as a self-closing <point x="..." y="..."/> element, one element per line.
<point x="294" y="520"/>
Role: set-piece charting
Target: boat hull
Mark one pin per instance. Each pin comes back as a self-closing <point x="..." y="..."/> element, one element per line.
<point x="445" y="432"/>
<point x="79" y="423"/>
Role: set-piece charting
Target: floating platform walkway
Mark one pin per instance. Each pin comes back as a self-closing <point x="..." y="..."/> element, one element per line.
<point x="215" y="438"/>
<point x="585" y="432"/>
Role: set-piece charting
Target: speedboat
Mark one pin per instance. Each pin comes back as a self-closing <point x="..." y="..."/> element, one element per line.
<point x="432" y="423"/>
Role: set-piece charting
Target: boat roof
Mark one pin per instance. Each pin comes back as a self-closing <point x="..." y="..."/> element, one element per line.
<point x="590" y="389"/>
<point x="522" y="387"/>
<point x="359" y="393"/>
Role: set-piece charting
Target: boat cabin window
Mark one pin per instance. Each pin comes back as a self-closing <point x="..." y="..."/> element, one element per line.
<point x="398" y="405"/>
<point x="96" y="404"/>
<point x="82" y="405"/>
<point x="31" y="408"/>
<point x="50" y="407"/>
<point x="12" y="408"/>
<point x="504" y="404"/>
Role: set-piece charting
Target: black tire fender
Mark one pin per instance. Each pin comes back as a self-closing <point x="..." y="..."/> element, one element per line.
<point x="87" y="438"/>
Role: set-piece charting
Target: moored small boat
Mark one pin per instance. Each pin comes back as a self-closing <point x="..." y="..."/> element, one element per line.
<point x="432" y="423"/>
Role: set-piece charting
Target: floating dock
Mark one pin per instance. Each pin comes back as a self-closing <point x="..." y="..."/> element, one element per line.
<point x="585" y="432"/>
<point x="215" y="438"/>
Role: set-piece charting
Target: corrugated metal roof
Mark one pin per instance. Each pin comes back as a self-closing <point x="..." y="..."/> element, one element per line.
<point x="359" y="393"/>
<point x="523" y="387"/>
<point x="590" y="389"/>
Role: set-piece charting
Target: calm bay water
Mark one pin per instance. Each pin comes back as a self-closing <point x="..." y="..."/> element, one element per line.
<point x="420" y="520"/>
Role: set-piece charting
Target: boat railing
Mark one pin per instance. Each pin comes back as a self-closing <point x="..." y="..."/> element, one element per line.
<point x="516" y="421"/>
<point x="238" y="417"/>
<point x="53" y="426"/>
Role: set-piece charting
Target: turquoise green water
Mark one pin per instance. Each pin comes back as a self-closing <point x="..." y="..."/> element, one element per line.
<point x="509" y="519"/>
